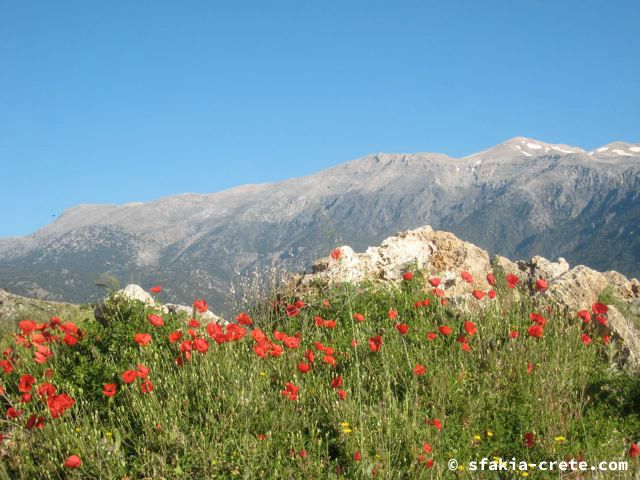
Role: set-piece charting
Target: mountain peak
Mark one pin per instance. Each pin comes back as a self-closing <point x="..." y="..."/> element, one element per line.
<point x="617" y="149"/>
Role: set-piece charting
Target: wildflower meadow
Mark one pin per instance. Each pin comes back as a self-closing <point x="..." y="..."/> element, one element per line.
<point x="337" y="381"/>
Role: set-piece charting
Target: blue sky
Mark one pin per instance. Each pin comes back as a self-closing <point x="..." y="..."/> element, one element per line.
<point x="111" y="102"/>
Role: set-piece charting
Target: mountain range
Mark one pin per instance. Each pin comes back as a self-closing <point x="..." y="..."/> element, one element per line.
<point x="520" y="198"/>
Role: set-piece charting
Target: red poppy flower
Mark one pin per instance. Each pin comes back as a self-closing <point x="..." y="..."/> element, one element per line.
<point x="330" y="359"/>
<point x="129" y="376"/>
<point x="434" y="282"/>
<point x="358" y="317"/>
<point x="308" y="354"/>
<point x="585" y="315"/>
<point x="530" y="368"/>
<point x="402" y="328"/>
<point x="542" y="284"/>
<point x="46" y="390"/>
<point x="427" y="448"/>
<point x="465" y="346"/>
<point x="35" y="421"/>
<point x="201" y="305"/>
<point x="175" y="336"/>
<point x="201" y="345"/>
<point x="634" y="451"/>
<point x="303" y="367"/>
<point x="478" y="294"/>
<point x="375" y="343"/>
<point x="429" y="463"/>
<point x="467" y="277"/>
<point x="244" y="319"/>
<point x="73" y="462"/>
<point x="514" y="334"/>
<point x="491" y="294"/>
<point x="599" y="308"/>
<point x="419" y="369"/>
<point x="6" y="365"/>
<point x="155" y="320"/>
<point x="393" y="314"/>
<point x="13" y="413"/>
<point x="586" y="339"/>
<point x="69" y="339"/>
<point x="70" y="327"/>
<point x="537" y="318"/>
<point x="407" y="276"/>
<point x="606" y="339"/>
<point x="156" y="289"/>
<point x="258" y="335"/>
<point x="437" y="292"/>
<point x="342" y="394"/>
<point x="602" y="320"/>
<point x="445" y="330"/>
<point x="27" y="326"/>
<point x="535" y="331"/>
<point x="142" y="339"/>
<point x="329" y="323"/>
<point x="275" y="350"/>
<point x="470" y="328"/>
<point x="336" y="382"/>
<point x="290" y="391"/>
<point x="491" y="279"/>
<point x="528" y="439"/>
<point x="357" y="457"/>
<point x="336" y="253"/>
<point x="146" y="386"/>
<point x="431" y="336"/>
<point x="292" y="311"/>
<point x="26" y="383"/>
<point x="58" y="404"/>
<point x="26" y="397"/>
<point x="142" y="370"/>
<point x="109" y="389"/>
<point x="437" y="424"/>
<point x="512" y="280"/>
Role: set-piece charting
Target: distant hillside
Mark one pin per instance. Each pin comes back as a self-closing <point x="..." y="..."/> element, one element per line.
<point x="519" y="198"/>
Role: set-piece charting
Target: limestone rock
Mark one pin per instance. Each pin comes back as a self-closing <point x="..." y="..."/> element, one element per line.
<point x="630" y="336"/>
<point x="434" y="252"/>
<point x="539" y="267"/>
<point x="136" y="292"/>
<point x="578" y="288"/>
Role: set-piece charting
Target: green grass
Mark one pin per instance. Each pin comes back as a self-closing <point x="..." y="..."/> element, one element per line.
<point x="205" y="419"/>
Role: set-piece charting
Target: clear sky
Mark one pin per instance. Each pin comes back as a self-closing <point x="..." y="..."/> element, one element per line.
<point x="119" y="101"/>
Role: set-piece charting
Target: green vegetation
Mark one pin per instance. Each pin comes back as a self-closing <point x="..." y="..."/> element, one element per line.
<point x="221" y="413"/>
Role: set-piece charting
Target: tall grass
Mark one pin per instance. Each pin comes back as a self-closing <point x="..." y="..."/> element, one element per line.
<point x="222" y="413"/>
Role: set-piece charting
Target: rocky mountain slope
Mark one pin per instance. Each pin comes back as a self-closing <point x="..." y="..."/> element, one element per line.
<point x="517" y="199"/>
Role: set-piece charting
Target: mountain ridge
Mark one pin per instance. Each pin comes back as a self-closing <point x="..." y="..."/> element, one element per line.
<point x="557" y="192"/>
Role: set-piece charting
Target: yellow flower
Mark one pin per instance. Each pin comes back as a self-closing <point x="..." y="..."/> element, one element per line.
<point x="346" y="430"/>
<point x="477" y="438"/>
<point x="263" y="374"/>
<point x="78" y="429"/>
<point x="489" y="434"/>
<point x="344" y="424"/>
<point x="560" y="439"/>
<point x="460" y="467"/>
<point x="108" y="434"/>
<point x="525" y="474"/>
